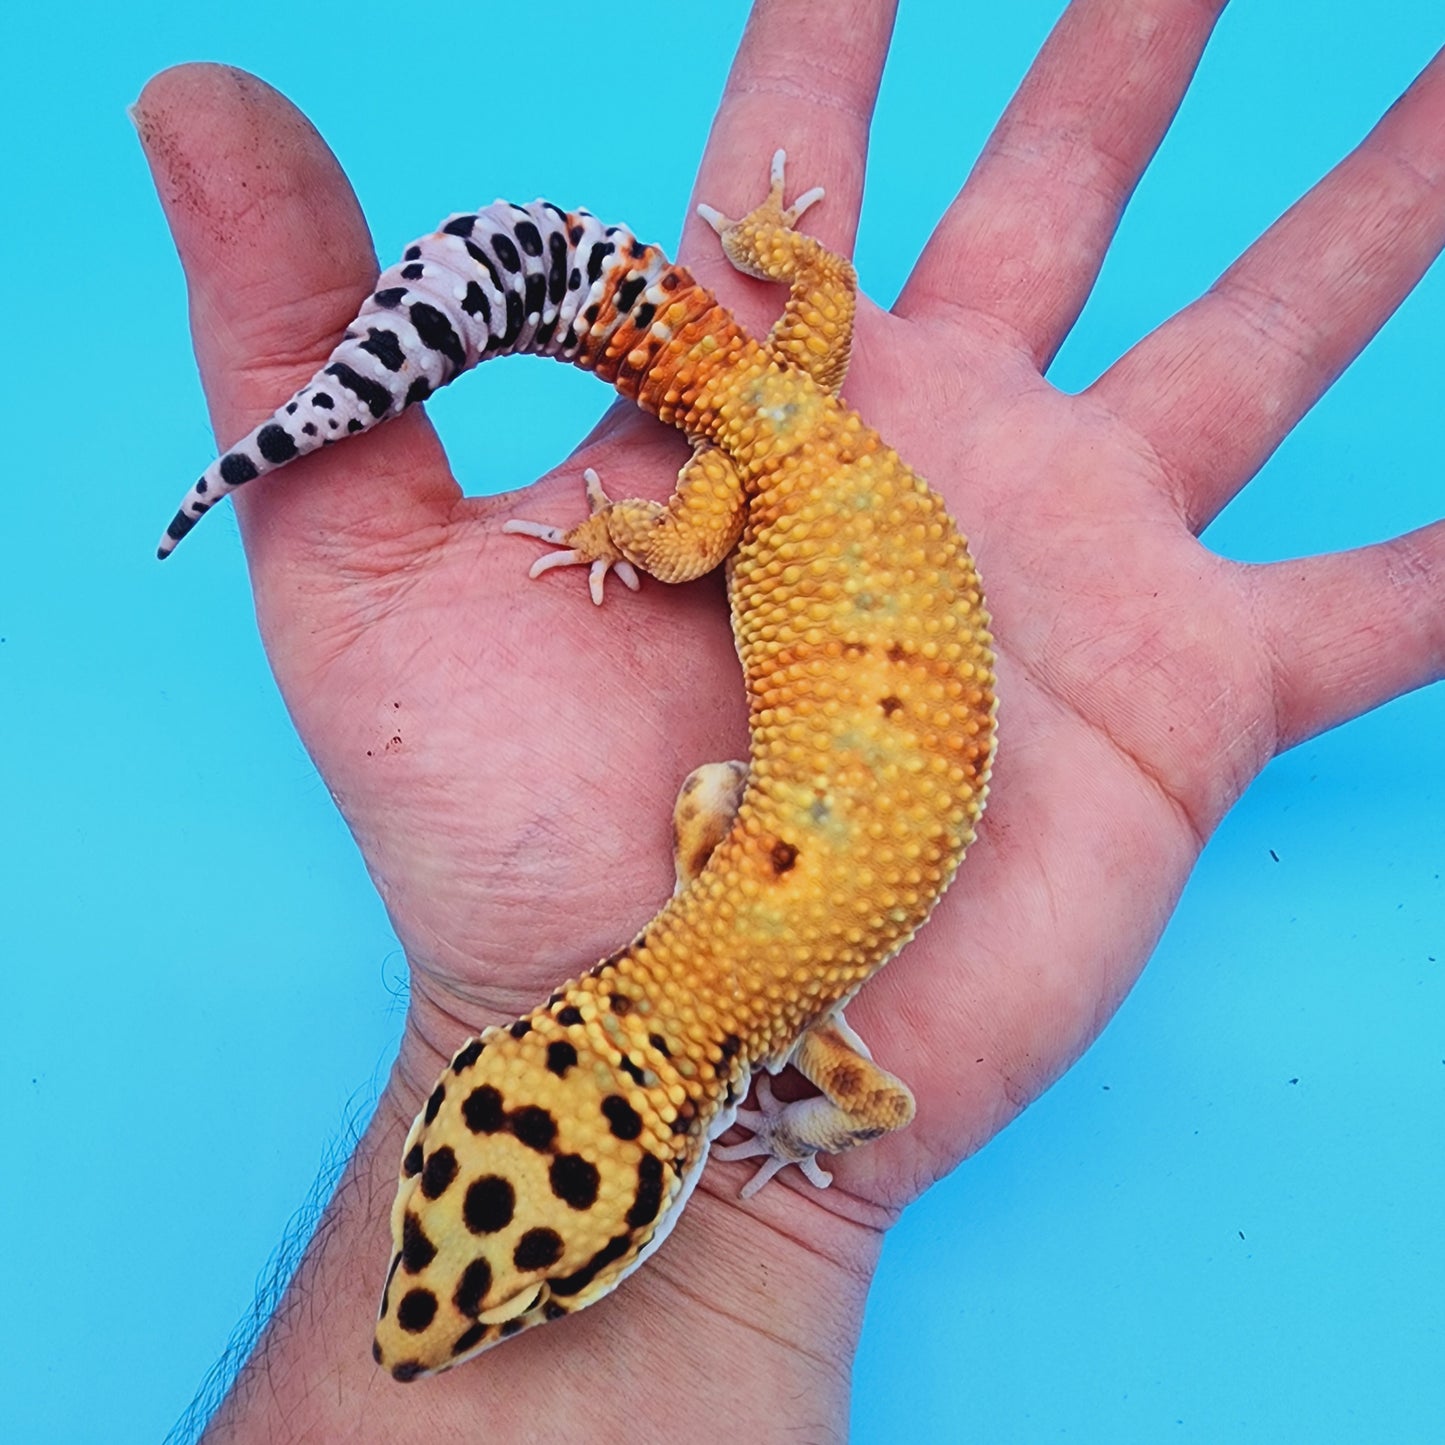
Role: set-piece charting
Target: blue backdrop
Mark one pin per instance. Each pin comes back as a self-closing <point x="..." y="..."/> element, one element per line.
<point x="1224" y="1223"/>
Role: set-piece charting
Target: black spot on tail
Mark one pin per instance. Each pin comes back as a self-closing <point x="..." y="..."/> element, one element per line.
<point x="385" y="347"/>
<point x="237" y="469"/>
<point x="460" y="226"/>
<point x="437" y="333"/>
<point x="629" y="291"/>
<point x="372" y="394"/>
<point x="529" y="237"/>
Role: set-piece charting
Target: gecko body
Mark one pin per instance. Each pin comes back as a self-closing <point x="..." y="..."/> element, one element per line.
<point x="554" y="1154"/>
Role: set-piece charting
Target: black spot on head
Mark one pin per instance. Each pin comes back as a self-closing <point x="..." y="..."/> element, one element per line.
<point x="467" y="1057"/>
<point x="510" y="1328"/>
<point x="506" y="253"/>
<point x="237" y="469"/>
<point x="354" y="426"/>
<point x="642" y="317"/>
<point x="620" y="1003"/>
<point x="625" y="1121"/>
<point x="890" y="704"/>
<point x="897" y="652"/>
<point x="554" y="1311"/>
<point x="629" y="291"/>
<point x="291" y="408"/>
<point x="414" y="272"/>
<point x="390" y="299"/>
<point x="405" y="1373"/>
<point x="416" y="1311"/>
<point x="411" y="1165"/>
<point x="309" y="428"/>
<point x="473" y="1335"/>
<point x="419" y="390"/>
<point x="323" y="399"/>
<point x="520" y="1029"/>
<point x="490" y="1203"/>
<point x="537" y="1249"/>
<point x="730" y="1047"/>
<point x="783" y="856"/>
<point x="385" y="347"/>
<point x="460" y="226"/>
<point x="614" y="1249"/>
<point x="632" y="1071"/>
<point x="441" y="1169"/>
<point x="534" y="1126"/>
<point x="375" y="397"/>
<point x="376" y="1348"/>
<point x="482" y="1109"/>
<point x="472" y="1288"/>
<point x="569" y="1015"/>
<point x="660" y="1044"/>
<point x="437" y="333"/>
<point x="574" y="1180"/>
<point x="434" y="1103"/>
<point x="417" y="1251"/>
<point x="528" y="237"/>
<point x="649" y="1192"/>
<point x="561" y="1056"/>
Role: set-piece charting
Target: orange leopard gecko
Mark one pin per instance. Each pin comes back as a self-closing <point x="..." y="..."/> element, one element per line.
<point x="554" y="1155"/>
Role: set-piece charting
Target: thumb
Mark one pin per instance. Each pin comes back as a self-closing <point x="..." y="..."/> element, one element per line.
<point x="278" y="258"/>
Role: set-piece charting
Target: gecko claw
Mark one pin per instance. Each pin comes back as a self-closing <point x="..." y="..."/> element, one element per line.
<point x="764" y="1122"/>
<point x="585" y="545"/>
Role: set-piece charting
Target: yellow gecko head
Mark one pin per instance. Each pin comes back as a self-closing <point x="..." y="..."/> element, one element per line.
<point x="549" y="1161"/>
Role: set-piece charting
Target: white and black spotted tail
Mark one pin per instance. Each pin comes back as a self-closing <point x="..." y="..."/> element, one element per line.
<point x="495" y="282"/>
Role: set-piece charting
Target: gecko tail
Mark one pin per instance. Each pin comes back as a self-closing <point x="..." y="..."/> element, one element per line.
<point x="495" y="282"/>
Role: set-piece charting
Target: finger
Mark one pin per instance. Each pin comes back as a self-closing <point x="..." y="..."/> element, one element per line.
<point x="805" y="80"/>
<point x="1025" y="238"/>
<point x="1219" y="386"/>
<point x="1350" y="630"/>
<point x="278" y="258"/>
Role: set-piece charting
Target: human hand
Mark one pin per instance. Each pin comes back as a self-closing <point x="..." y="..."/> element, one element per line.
<point x="1143" y="680"/>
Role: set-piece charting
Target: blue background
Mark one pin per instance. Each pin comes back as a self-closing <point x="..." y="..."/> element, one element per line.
<point x="1224" y="1223"/>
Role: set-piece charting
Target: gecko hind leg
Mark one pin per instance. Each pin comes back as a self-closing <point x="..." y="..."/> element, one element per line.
<point x="859" y="1101"/>
<point x="707" y="804"/>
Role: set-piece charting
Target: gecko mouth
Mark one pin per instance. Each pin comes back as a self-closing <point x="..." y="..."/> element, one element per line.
<point x="518" y="1305"/>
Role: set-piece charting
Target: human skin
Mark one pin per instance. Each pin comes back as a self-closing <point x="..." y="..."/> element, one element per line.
<point x="522" y="832"/>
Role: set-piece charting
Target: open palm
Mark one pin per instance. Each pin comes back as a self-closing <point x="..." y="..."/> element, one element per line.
<point x="506" y="755"/>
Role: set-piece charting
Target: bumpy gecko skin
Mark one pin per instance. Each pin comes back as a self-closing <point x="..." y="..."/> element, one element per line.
<point x="555" y="1154"/>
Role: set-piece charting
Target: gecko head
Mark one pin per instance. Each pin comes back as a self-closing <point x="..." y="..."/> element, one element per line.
<point x="535" y="1179"/>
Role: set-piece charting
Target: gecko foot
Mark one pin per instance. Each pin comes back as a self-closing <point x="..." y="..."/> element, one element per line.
<point x="585" y="545"/>
<point x="772" y="1140"/>
<point x="771" y="210"/>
